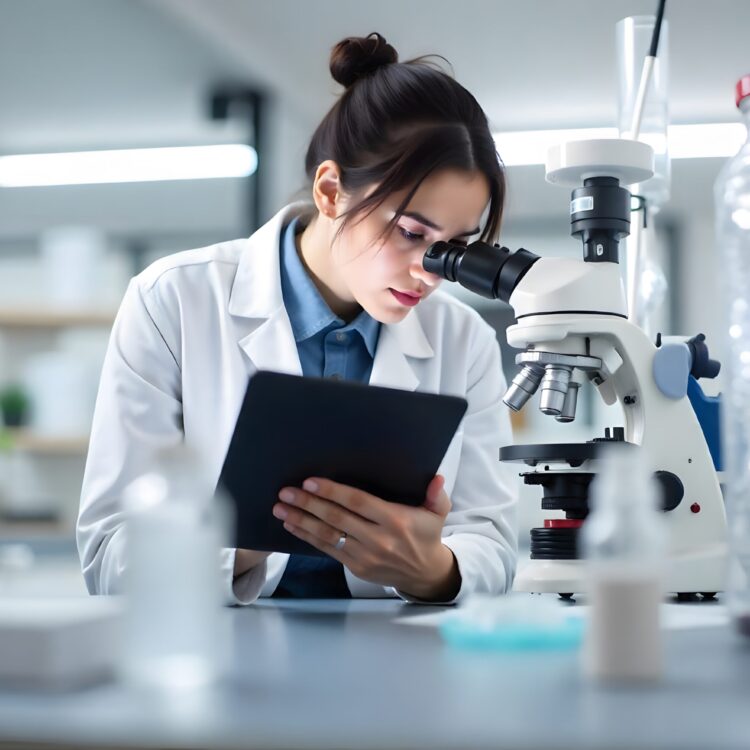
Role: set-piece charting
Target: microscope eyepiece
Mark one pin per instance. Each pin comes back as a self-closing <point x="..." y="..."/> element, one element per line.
<point x="441" y="258"/>
<point x="491" y="271"/>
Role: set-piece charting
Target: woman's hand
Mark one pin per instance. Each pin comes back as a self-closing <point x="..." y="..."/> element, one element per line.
<point x="386" y="543"/>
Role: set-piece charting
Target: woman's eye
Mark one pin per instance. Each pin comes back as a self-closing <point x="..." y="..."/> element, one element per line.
<point x="411" y="236"/>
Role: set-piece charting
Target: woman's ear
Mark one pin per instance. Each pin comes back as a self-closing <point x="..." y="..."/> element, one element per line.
<point x="327" y="188"/>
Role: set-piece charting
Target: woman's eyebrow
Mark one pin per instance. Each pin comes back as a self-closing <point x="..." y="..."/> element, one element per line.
<point x="423" y="220"/>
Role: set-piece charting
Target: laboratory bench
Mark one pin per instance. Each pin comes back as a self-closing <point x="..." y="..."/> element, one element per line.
<point x="376" y="674"/>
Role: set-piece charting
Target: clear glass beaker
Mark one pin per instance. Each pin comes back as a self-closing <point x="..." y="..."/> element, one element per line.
<point x="633" y="40"/>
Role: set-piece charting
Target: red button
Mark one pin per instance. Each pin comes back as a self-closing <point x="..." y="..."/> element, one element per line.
<point x="563" y="523"/>
<point x="695" y="508"/>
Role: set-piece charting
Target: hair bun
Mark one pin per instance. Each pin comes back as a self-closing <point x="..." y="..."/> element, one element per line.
<point x="355" y="57"/>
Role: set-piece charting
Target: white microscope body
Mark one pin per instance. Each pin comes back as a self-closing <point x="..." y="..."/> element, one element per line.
<point x="666" y="428"/>
<point x="574" y="313"/>
<point x="572" y="327"/>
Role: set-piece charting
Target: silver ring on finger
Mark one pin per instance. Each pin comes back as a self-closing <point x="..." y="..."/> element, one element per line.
<point x="341" y="542"/>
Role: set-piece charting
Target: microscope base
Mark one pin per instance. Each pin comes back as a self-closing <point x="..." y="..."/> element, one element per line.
<point x="698" y="572"/>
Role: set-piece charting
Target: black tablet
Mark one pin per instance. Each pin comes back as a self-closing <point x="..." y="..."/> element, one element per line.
<point x="385" y="441"/>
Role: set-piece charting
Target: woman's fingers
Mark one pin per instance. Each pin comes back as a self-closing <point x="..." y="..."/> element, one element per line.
<point x="356" y="501"/>
<point x="342" y="554"/>
<point x="318" y="515"/>
<point x="437" y="499"/>
<point x="386" y="543"/>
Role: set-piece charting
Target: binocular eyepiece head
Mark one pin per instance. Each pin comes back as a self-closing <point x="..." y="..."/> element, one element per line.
<point x="488" y="270"/>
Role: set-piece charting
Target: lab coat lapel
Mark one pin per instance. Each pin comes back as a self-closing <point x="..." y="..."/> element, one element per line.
<point x="265" y="332"/>
<point x="397" y="344"/>
<point x="271" y="346"/>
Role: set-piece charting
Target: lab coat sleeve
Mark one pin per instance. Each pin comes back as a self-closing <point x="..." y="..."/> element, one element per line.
<point x="481" y="528"/>
<point x="138" y="414"/>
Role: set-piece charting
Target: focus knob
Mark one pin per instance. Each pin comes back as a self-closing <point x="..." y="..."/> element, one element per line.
<point x="672" y="489"/>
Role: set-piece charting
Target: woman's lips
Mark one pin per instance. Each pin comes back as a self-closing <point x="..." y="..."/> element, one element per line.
<point x="406" y="299"/>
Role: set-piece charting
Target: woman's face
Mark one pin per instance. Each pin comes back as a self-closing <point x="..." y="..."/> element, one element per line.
<point x="385" y="276"/>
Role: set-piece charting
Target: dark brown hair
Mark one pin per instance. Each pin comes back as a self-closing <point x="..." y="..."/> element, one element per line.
<point x="399" y="122"/>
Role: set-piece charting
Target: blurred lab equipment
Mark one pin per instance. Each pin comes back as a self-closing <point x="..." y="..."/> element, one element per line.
<point x="73" y="261"/>
<point x="623" y="543"/>
<point x="175" y="637"/>
<point x="572" y="327"/>
<point x="42" y="464"/>
<point x="732" y="199"/>
<point x="16" y="562"/>
<point x="511" y="623"/>
<point x="58" y="642"/>
<point x="62" y="392"/>
<point x="643" y="77"/>
<point x="51" y="637"/>
<point x="41" y="486"/>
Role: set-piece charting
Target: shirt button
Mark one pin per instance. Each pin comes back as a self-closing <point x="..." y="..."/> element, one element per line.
<point x="335" y="376"/>
<point x="341" y="337"/>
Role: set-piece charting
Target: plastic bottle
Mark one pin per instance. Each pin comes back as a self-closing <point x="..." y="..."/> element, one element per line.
<point x="623" y="542"/>
<point x="175" y="635"/>
<point x="732" y="197"/>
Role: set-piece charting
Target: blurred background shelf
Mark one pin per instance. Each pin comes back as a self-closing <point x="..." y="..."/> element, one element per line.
<point x="14" y="529"/>
<point x="51" y="319"/>
<point x="20" y="439"/>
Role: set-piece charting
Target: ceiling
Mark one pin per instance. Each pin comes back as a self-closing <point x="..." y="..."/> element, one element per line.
<point x="109" y="73"/>
<point x="531" y="63"/>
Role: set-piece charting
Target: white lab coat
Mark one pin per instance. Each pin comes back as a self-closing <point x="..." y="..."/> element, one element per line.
<point x="190" y="331"/>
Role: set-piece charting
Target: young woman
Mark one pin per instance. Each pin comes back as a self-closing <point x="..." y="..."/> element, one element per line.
<point x="331" y="287"/>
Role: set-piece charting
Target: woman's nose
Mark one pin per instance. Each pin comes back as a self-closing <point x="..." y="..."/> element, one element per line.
<point x="418" y="272"/>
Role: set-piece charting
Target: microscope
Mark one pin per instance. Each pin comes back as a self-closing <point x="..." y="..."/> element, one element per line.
<point x="572" y="328"/>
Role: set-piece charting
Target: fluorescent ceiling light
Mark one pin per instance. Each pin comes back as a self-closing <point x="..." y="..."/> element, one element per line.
<point x="128" y="165"/>
<point x="530" y="147"/>
<point x="685" y="141"/>
<point x="701" y="141"/>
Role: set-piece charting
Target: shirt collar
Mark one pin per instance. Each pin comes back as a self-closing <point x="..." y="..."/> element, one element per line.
<point x="308" y="312"/>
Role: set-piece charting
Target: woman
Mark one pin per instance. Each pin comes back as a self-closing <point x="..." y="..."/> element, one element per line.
<point x="331" y="288"/>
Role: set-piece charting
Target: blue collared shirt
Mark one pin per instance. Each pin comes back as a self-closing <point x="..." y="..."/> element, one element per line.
<point x="328" y="347"/>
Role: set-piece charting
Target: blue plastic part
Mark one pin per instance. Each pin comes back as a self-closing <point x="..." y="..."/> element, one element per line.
<point x="708" y="411"/>
<point x="671" y="369"/>
<point x="513" y="636"/>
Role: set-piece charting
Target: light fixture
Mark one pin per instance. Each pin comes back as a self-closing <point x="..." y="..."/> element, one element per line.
<point x="685" y="141"/>
<point x="128" y="165"/>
